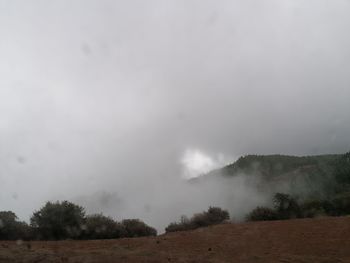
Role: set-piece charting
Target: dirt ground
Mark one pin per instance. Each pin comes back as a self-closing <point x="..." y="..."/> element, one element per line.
<point x="324" y="240"/>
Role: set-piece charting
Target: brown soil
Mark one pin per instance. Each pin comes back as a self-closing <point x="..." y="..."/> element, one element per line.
<point x="324" y="240"/>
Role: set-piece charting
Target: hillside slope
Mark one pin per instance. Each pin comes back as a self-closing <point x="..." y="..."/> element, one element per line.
<point x="302" y="176"/>
<point x="274" y="165"/>
<point x="303" y="240"/>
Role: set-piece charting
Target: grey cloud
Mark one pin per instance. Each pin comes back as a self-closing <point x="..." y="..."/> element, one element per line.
<point x="106" y="96"/>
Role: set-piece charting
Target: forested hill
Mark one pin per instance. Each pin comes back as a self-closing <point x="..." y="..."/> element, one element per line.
<point x="271" y="166"/>
<point x="319" y="175"/>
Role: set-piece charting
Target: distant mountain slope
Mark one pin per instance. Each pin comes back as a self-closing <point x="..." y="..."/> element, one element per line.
<point x="305" y="175"/>
<point x="274" y="165"/>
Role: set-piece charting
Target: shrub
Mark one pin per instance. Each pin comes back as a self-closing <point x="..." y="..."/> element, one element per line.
<point x="11" y="229"/>
<point x="214" y="215"/>
<point x="338" y="205"/>
<point x="137" y="228"/>
<point x="59" y="220"/>
<point x="65" y="220"/>
<point x="286" y="206"/>
<point x="342" y="171"/>
<point x="185" y="224"/>
<point x="262" y="213"/>
<point x="98" y="226"/>
<point x="200" y="220"/>
<point x="174" y="226"/>
<point x="313" y="208"/>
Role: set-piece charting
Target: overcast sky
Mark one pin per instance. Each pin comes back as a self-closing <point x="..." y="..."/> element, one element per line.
<point x="102" y="98"/>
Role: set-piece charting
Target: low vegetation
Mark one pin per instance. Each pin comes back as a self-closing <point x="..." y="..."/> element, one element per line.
<point x="59" y="220"/>
<point x="65" y="220"/>
<point x="287" y="207"/>
<point x="11" y="228"/>
<point x="214" y="215"/>
<point x="98" y="226"/>
<point x="335" y="203"/>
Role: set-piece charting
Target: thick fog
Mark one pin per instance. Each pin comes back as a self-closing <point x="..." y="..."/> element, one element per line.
<point x="114" y="104"/>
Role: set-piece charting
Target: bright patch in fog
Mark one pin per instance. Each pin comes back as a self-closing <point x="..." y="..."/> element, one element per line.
<point x="197" y="163"/>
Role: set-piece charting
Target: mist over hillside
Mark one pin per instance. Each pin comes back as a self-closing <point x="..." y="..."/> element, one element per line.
<point x="116" y="104"/>
<point x="253" y="180"/>
<point x="239" y="187"/>
<point x="304" y="176"/>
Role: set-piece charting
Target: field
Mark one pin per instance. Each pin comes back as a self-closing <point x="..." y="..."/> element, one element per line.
<point x="303" y="240"/>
